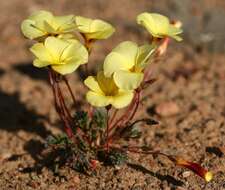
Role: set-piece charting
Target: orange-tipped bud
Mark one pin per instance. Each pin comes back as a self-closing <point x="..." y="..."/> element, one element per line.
<point x="163" y="47"/>
<point x="196" y="168"/>
<point x="177" y="23"/>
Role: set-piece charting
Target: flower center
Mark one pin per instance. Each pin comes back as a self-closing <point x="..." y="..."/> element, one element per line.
<point x="107" y="85"/>
<point x="109" y="88"/>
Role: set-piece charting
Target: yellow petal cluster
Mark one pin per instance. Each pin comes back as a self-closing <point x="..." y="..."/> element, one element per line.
<point x="58" y="46"/>
<point x="159" y="26"/>
<point x="103" y="92"/>
<point x="64" y="56"/>
<point x="123" y="68"/>
<point x="94" y="29"/>
<point x="44" y="23"/>
<point x="126" y="63"/>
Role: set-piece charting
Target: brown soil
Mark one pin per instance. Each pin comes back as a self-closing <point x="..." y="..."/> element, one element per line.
<point x="188" y="99"/>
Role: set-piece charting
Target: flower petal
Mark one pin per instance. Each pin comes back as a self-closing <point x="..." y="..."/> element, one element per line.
<point x="107" y="84"/>
<point x="76" y="52"/>
<point x="155" y="23"/>
<point x="122" y="99"/>
<point x="92" y="84"/>
<point x="49" y="28"/>
<point x="40" y="19"/>
<point x="94" y="29"/>
<point x="30" y="31"/>
<point x="41" y="52"/>
<point x="38" y="63"/>
<point x="56" y="47"/>
<point x="128" y="50"/>
<point x="158" y="25"/>
<point x="114" y="62"/>
<point x="67" y="36"/>
<point x="121" y="58"/>
<point x="83" y="24"/>
<point x="65" y="68"/>
<point x="97" y="100"/>
<point x="65" y="23"/>
<point x="144" y="53"/>
<point x="128" y="80"/>
<point x="100" y="30"/>
<point x="41" y="15"/>
<point x="161" y="23"/>
<point x="174" y="31"/>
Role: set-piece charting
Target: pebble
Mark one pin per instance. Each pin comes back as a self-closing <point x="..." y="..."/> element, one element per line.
<point x="186" y="174"/>
<point x="5" y="156"/>
<point x="166" y="109"/>
<point x="76" y="180"/>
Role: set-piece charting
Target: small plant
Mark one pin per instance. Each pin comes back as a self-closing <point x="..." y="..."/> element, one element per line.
<point x="62" y="44"/>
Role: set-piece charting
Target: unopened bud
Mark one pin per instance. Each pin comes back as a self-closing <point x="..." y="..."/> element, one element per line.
<point x="196" y="168"/>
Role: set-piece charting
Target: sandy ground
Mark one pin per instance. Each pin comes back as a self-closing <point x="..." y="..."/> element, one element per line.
<point x="191" y="78"/>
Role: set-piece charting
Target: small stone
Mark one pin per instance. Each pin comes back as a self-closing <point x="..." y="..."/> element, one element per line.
<point x="166" y="109"/>
<point x="186" y="174"/>
<point x="5" y="156"/>
<point x="76" y="180"/>
<point x="117" y="167"/>
<point x="33" y="184"/>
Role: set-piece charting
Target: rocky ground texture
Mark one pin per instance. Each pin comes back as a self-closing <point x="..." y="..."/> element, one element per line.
<point x="188" y="99"/>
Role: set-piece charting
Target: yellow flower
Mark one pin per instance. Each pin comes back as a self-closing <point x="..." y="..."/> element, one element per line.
<point x="103" y="92"/>
<point x="126" y="63"/>
<point x="94" y="29"/>
<point x="43" y="23"/>
<point x="64" y="56"/>
<point x="159" y="26"/>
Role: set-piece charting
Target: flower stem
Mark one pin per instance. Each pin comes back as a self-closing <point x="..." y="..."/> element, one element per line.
<point x="58" y="104"/>
<point x="107" y="129"/>
<point x="125" y="115"/>
<point x="113" y="116"/>
<point x="136" y="107"/>
<point x="86" y="69"/>
<point x="88" y="44"/>
<point x="70" y="90"/>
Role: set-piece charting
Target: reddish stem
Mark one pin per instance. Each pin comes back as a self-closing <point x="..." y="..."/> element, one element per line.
<point x="70" y="90"/>
<point x="86" y="70"/>
<point x="113" y="117"/>
<point x="118" y="121"/>
<point x="107" y="131"/>
<point x="136" y="107"/>
<point x="70" y="117"/>
<point x="125" y="115"/>
<point x="64" y="104"/>
<point x="88" y="44"/>
<point x="58" y="104"/>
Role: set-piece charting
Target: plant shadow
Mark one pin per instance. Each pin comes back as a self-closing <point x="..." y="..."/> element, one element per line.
<point x="14" y="116"/>
<point x="28" y="69"/>
<point x="51" y="158"/>
<point x="215" y="150"/>
<point x="36" y="148"/>
<point x="1" y="71"/>
<point x="83" y="75"/>
<point x="169" y="179"/>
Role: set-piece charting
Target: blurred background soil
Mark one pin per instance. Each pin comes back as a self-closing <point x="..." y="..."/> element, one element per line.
<point x="188" y="99"/>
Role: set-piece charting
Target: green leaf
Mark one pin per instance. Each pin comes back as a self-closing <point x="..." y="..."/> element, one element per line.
<point x="100" y="117"/>
<point x="117" y="157"/>
<point x="130" y="131"/>
<point x="58" y="140"/>
<point x="135" y="133"/>
<point x="81" y="119"/>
